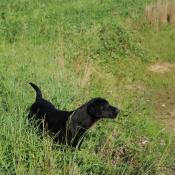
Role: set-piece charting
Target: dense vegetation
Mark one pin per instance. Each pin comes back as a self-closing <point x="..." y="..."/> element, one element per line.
<point x="75" y="50"/>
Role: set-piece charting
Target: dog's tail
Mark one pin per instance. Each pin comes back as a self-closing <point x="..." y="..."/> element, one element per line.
<point x="38" y="91"/>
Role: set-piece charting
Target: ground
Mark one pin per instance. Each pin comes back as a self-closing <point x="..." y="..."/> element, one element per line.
<point x="164" y="99"/>
<point x="165" y="107"/>
<point x="74" y="51"/>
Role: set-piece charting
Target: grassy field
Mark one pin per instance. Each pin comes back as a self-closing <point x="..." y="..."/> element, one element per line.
<point x="75" y="50"/>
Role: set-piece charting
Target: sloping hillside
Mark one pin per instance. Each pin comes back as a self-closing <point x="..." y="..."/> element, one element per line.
<point x="76" y="50"/>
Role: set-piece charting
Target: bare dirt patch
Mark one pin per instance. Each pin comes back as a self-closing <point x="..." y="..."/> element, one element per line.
<point x="162" y="67"/>
<point x="165" y="107"/>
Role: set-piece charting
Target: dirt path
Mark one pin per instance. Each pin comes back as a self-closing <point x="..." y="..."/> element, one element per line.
<point x="165" y="107"/>
<point x="162" y="68"/>
<point x="164" y="100"/>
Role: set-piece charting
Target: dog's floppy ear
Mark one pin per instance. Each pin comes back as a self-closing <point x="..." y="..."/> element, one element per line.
<point x="94" y="109"/>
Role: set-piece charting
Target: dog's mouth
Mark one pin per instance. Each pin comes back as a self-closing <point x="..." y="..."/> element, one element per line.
<point x="115" y="113"/>
<point x="114" y="116"/>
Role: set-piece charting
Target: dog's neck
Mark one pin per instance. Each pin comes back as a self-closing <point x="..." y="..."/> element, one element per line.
<point x="80" y="118"/>
<point x="84" y="118"/>
<point x="79" y="121"/>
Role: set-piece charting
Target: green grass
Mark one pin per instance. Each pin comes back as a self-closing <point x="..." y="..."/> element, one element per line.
<point x="76" y="50"/>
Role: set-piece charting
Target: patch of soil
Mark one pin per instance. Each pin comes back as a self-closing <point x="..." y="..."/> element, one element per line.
<point x="165" y="107"/>
<point x="162" y="67"/>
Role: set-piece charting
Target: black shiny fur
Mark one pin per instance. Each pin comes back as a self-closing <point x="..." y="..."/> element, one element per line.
<point x="69" y="126"/>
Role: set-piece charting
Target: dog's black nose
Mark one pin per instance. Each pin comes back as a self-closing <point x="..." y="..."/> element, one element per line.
<point x="117" y="110"/>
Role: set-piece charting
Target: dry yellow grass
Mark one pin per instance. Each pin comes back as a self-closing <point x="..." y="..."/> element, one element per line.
<point x="88" y="71"/>
<point x="161" y="12"/>
<point x="85" y="69"/>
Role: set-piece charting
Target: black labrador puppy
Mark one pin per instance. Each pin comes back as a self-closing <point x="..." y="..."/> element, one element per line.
<point x="69" y="126"/>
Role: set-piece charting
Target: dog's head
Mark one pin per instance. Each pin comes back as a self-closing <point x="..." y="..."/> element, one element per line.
<point x="100" y="108"/>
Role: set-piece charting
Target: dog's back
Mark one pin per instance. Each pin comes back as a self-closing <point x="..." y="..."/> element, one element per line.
<point x="47" y="115"/>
